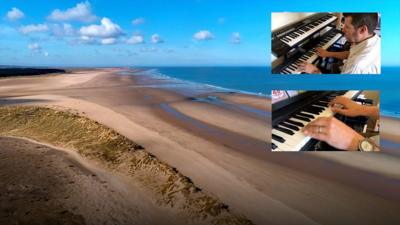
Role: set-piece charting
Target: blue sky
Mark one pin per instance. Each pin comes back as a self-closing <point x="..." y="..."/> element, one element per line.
<point x="159" y="33"/>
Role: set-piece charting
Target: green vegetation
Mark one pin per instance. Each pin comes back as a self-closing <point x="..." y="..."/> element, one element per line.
<point x="8" y="72"/>
<point x="98" y="142"/>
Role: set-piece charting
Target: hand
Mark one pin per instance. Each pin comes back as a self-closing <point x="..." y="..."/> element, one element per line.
<point x="308" y="68"/>
<point x="333" y="132"/>
<point x="350" y="108"/>
<point x="322" y="53"/>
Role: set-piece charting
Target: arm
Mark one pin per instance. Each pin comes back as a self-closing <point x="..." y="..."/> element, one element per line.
<point x="351" y="108"/>
<point x="339" y="55"/>
<point x="309" y="68"/>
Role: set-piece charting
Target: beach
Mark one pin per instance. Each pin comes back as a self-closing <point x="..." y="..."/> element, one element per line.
<point x="220" y="140"/>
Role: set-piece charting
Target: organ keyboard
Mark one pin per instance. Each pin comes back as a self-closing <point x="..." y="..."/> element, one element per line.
<point x="290" y="115"/>
<point x="297" y="43"/>
<point x="311" y="55"/>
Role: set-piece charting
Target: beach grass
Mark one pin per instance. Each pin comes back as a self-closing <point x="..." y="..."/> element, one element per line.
<point x="95" y="141"/>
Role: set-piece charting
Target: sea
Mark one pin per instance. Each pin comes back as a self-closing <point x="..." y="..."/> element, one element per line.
<point x="259" y="81"/>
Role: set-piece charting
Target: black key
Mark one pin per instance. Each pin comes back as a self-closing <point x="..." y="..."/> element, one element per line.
<point x="277" y="138"/>
<point x="273" y="146"/>
<point x="301" y="118"/>
<point x="306" y="115"/>
<point x="312" y="111"/>
<point x="284" y="130"/>
<point x="323" y="104"/>
<point x="318" y="107"/>
<point x="295" y="123"/>
<point x="288" y="125"/>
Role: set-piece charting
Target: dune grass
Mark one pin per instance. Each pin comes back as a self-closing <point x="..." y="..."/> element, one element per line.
<point x="96" y="141"/>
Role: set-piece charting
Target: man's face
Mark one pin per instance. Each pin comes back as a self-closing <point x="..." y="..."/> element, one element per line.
<point x="350" y="32"/>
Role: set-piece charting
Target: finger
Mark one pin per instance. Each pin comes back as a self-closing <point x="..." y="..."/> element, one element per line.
<point x="333" y="101"/>
<point x="316" y="132"/>
<point x="321" y="121"/>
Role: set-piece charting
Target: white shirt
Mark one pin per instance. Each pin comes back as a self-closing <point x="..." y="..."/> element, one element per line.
<point x="364" y="57"/>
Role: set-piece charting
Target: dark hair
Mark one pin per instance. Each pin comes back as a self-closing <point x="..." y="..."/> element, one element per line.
<point x="360" y="19"/>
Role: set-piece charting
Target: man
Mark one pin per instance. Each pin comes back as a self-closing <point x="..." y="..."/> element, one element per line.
<point x="339" y="135"/>
<point x="364" y="55"/>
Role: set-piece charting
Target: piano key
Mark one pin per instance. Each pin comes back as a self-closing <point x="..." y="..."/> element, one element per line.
<point x="302" y="118"/>
<point x="282" y="146"/>
<point x="289" y="126"/>
<point x="278" y="138"/>
<point x="306" y="115"/>
<point x="284" y="130"/>
<point x="295" y="123"/>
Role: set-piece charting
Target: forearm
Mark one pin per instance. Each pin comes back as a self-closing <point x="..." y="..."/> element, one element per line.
<point x="370" y="111"/>
<point x="339" y="55"/>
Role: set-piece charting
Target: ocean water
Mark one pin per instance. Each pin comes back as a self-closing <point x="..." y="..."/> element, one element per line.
<point x="259" y="81"/>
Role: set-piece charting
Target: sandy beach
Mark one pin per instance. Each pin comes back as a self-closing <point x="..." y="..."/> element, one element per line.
<point x="221" y="141"/>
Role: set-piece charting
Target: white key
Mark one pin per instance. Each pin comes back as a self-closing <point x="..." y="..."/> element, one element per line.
<point x="312" y="58"/>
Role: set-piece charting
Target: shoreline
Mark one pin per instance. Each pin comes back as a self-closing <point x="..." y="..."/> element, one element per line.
<point x="250" y="179"/>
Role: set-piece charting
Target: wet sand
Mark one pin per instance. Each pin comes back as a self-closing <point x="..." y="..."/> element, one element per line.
<point x="220" y="145"/>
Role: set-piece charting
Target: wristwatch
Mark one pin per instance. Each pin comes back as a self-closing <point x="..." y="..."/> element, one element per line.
<point x="366" y="145"/>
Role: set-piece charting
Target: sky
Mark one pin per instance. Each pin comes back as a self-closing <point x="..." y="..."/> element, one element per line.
<point x="160" y="33"/>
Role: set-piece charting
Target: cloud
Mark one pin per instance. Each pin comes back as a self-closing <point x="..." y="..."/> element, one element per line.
<point x="37" y="49"/>
<point x="235" y="38"/>
<point x="15" y="14"/>
<point x="34" y="47"/>
<point x="108" y="41"/>
<point x="61" y="30"/>
<point x="148" y="50"/>
<point x="86" y="40"/>
<point x="203" y="35"/>
<point x="156" y="39"/>
<point x="107" y="29"/>
<point x="32" y="28"/>
<point x="138" y="21"/>
<point x="135" y="39"/>
<point x="81" y="12"/>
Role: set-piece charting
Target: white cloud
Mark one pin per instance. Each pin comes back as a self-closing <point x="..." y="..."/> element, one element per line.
<point x="86" y="40"/>
<point x="108" y="41"/>
<point x="35" y="47"/>
<point x="15" y="14"/>
<point x="146" y="50"/>
<point x="61" y="30"/>
<point x="33" y="28"/>
<point x="235" y="38"/>
<point x="81" y="12"/>
<point x="156" y="39"/>
<point x="203" y="35"/>
<point x="138" y="21"/>
<point x="135" y="39"/>
<point x="107" y="29"/>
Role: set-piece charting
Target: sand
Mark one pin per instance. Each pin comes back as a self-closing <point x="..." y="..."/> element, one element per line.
<point x="224" y="151"/>
<point x="44" y="185"/>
